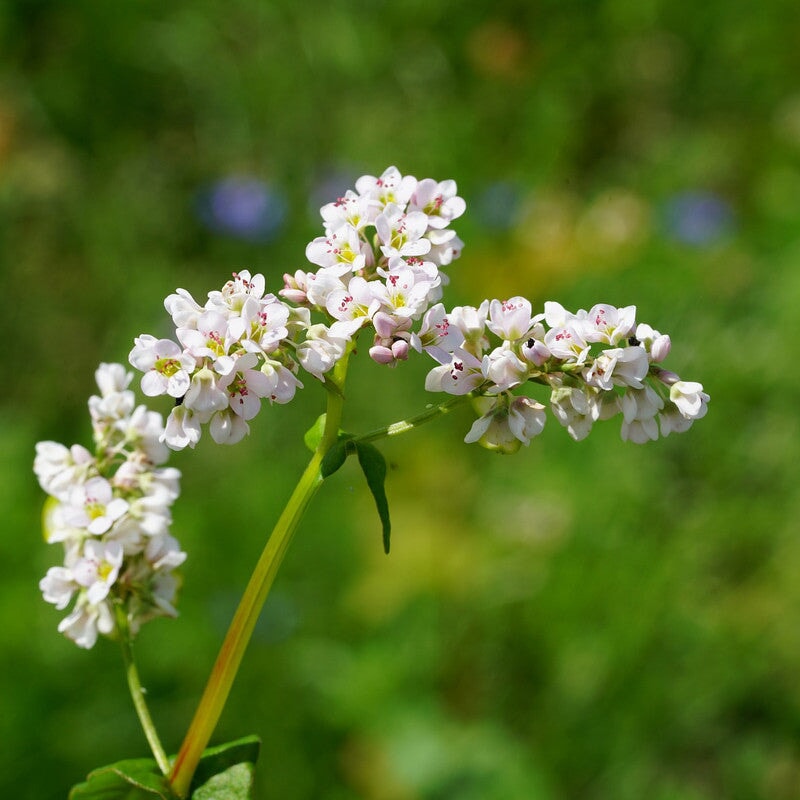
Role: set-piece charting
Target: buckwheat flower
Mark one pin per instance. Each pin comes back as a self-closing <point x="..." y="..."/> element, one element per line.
<point x="86" y="621"/>
<point x="320" y="351"/>
<point x="294" y="287"/>
<point x="672" y="421"/>
<point x="98" y="568"/>
<point x="567" y="343"/>
<point x="230" y="299"/>
<point x="556" y="316"/>
<point x="350" y="210"/>
<point x="640" y="408"/>
<point x="402" y="294"/>
<point x="58" y="467"/>
<point x="341" y="252"/>
<point x="504" y="368"/>
<point x="262" y="325"/>
<point x="656" y="344"/>
<point x="144" y="429"/>
<point x="690" y="399"/>
<point x="207" y="338"/>
<point x="93" y="506"/>
<point x="438" y="201"/>
<point x="183" y="309"/>
<point x="534" y="349"/>
<point x="402" y="234"/>
<point x="58" y="586"/>
<point x="577" y="409"/>
<point x="227" y="427"/>
<point x="618" y="366"/>
<point x="608" y="324"/>
<point x="164" y="553"/>
<point x="390" y="187"/>
<point x="353" y="307"/>
<point x="183" y="428"/>
<point x="245" y="386"/>
<point x="507" y="422"/>
<point x="471" y="322"/>
<point x="204" y="395"/>
<point x="437" y="336"/>
<point x="460" y="376"/>
<point x="510" y="319"/>
<point x="639" y="431"/>
<point x="446" y="247"/>
<point x="281" y="383"/>
<point x="320" y="286"/>
<point x="165" y="365"/>
<point x="112" y="379"/>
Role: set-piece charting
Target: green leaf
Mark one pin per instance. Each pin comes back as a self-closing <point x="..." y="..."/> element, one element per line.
<point x="133" y="779"/>
<point x="336" y="456"/>
<point x="313" y="435"/>
<point x="226" y="772"/>
<point x="373" y="465"/>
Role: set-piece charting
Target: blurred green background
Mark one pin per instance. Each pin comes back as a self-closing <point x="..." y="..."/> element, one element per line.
<point x="591" y="620"/>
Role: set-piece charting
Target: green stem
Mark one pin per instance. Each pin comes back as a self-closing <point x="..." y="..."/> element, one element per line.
<point x="241" y="628"/>
<point x="137" y="692"/>
<point x="405" y="425"/>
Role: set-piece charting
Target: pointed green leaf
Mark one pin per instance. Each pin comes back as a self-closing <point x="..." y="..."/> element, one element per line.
<point x="337" y="455"/>
<point x="373" y="465"/>
<point x="133" y="779"/>
<point x="313" y="435"/>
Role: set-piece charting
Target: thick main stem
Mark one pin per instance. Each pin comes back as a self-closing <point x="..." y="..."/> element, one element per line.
<point x="238" y="636"/>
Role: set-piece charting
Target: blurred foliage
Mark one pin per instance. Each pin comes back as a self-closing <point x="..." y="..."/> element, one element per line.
<point x="591" y="620"/>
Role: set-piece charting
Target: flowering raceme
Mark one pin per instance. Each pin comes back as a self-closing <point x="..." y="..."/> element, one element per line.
<point x="111" y="512"/>
<point x="379" y="267"/>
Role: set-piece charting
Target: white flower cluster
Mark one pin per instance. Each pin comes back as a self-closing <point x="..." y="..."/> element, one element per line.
<point x="378" y="267"/>
<point x="379" y="259"/>
<point x="111" y="512"/>
<point x="596" y="364"/>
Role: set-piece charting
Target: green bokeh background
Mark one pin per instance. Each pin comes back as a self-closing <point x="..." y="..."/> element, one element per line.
<point x="582" y="620"/>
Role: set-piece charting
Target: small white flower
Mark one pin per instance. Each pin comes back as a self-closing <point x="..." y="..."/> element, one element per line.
<point x="165" y="365"/>
<point x="460" y="376"/>
<point x="438" y="201"/>
<point x="86" y="621"/>
<point x="510" y="319"/>
<point x="58" y="586"/>
<point x="245" y="387"/>
<point x="576" y="409"/>
<point x="609" y="324"/>
<point x="58" y="467"/>
<point x="504" y="368"/>
<point x="204" y="395"/>
<point x="182" y="428"/>
<point x="112" y="379"/>
<point x="341" y="252"/>
<point x="98" y="568"/>
<point x="92" y="506"/>
<point x="568" y="343"/>
<point x="227" y="427"/>
<point x="390" y="187"/>
<point x="402" y="234"/>
<point x="690" y="398"/>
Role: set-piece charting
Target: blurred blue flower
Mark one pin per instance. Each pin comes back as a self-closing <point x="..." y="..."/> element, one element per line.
<point x="242" y="207"/>
<point x="697" y="218"/>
